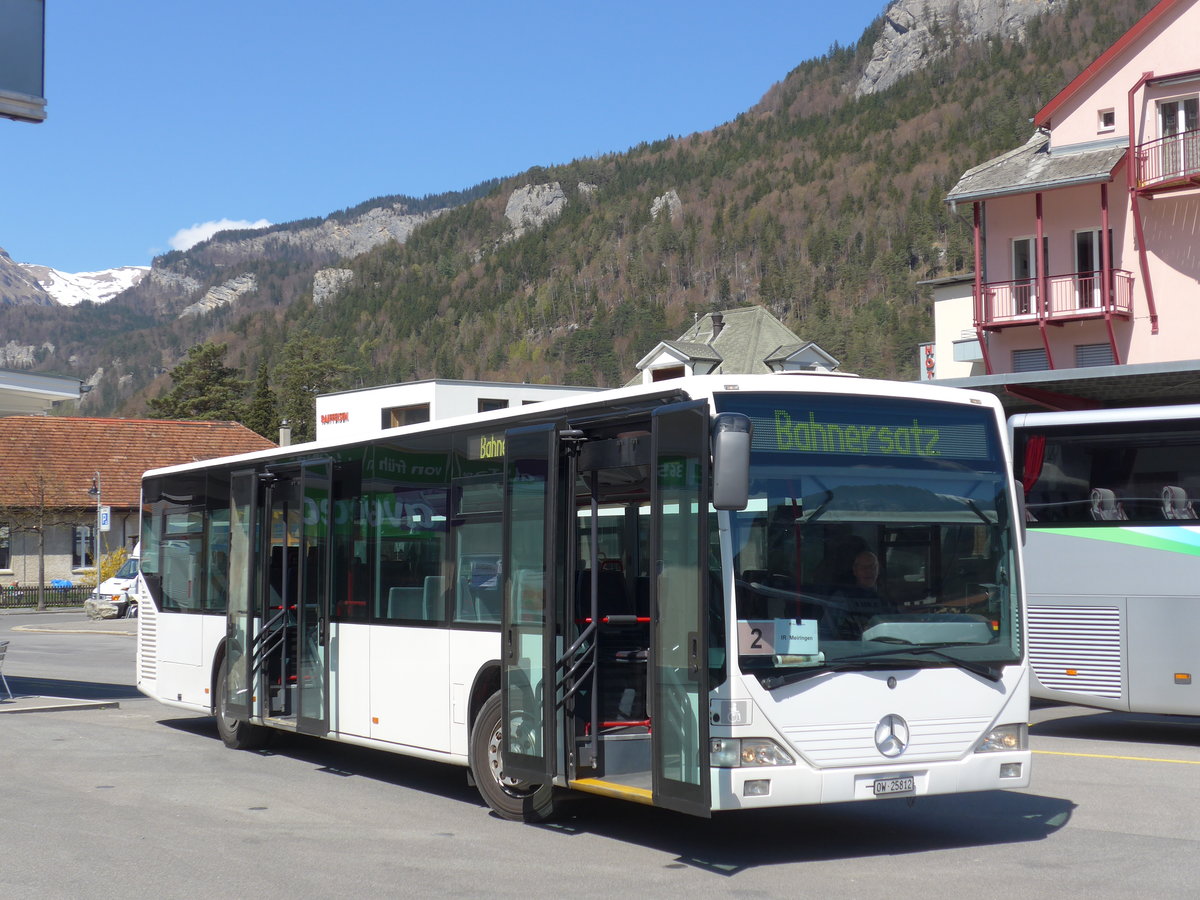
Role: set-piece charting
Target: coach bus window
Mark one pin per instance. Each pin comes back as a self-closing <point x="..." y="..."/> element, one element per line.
<point x="409" y="500"/>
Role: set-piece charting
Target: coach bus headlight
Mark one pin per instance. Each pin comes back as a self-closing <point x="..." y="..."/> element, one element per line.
<point x="730" y="753"/>
<point x="1005" y="737"/>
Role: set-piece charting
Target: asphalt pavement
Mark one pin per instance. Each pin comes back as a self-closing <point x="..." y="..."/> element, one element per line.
<point x="71" y="623"/>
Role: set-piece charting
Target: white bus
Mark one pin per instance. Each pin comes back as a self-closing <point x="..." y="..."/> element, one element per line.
<point x="1113" y="555"/>
<point x="641" y="593"/>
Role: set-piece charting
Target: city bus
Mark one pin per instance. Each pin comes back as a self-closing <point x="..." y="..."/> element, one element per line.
<point x="1113" y="555"/>
<point x="642" y="593"/>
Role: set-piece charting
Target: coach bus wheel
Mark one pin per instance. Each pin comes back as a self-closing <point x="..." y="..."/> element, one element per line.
<point x="236" y="734"/>
<point x="509" y="798"/>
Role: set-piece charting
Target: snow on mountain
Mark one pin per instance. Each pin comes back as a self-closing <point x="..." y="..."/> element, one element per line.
<point x="70" y="289"/>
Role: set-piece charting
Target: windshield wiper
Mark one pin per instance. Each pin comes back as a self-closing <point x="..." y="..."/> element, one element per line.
<point x="888" y="657"/>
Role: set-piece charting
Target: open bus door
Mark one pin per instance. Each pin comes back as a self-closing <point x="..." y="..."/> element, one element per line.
<point x="277" y="624"/>
<point x="528" y="626"/>
<point x="235" y="685"/>
<point x="679" y="587"/>
<point x="556" y="700"/>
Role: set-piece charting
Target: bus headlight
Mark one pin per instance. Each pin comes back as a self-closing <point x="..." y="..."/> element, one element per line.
<point x="730" y="753"/>
<point x="1005" y="737"/>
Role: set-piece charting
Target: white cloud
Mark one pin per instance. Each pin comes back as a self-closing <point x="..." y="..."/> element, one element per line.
<point x="189" y="237"/>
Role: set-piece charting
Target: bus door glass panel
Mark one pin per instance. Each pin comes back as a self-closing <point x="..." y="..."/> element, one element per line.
<point x="528" y="626"/>
<point x="312" y="607"/>
<point x="241" y="623"/>
<point x="679" y="630"/>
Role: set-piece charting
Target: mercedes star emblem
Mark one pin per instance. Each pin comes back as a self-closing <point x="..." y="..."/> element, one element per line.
<point x="891" y="735"/>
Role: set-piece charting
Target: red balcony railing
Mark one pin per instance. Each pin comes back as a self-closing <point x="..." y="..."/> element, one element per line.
<point x="1168" y="160"/>
<point x="1075" y="296"/>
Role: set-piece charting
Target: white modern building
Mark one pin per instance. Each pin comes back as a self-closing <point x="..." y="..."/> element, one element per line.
<point x="351" y="415"/>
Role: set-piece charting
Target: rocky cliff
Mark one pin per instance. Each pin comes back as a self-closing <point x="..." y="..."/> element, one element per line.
<point x="916" y="31"/>
<point x="335" y="238"/>
<point x="18" y="287"/>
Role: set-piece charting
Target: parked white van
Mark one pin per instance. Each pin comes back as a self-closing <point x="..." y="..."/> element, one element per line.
<point x="116" y="597"/>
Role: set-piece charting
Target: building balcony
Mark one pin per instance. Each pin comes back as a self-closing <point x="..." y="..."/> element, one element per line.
<point x="1169" y="163"/>
<point x="1070" y="298"/>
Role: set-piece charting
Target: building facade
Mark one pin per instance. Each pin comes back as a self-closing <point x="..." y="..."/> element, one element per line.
<point x="58" y="475"/>
<point x="1087" y="238"/>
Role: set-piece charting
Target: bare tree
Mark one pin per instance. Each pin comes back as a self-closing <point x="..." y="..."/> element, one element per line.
<point x="38" y="505"/>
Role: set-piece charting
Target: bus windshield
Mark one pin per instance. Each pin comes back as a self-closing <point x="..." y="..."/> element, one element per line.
<point x="878" y="533"/>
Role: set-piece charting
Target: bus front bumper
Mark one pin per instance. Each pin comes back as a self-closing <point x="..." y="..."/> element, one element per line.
<point x="761" y="787"/>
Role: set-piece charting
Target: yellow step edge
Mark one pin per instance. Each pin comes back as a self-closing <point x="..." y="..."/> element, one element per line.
<point x="609" y="789"/>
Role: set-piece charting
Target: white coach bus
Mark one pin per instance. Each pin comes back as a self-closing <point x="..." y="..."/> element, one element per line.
<point x="714" y="593"/>
<point x="1113" y="555"/>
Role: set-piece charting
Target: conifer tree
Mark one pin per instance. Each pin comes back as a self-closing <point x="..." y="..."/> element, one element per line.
<point x="203" y="388"/>
<point x="262" y="410"/>
<point x="309" y="366"/>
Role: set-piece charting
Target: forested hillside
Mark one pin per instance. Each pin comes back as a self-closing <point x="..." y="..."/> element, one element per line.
<point x="825" y="208"/>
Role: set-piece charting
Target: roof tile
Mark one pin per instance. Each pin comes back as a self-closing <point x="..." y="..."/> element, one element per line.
<point x="63" y="454"/>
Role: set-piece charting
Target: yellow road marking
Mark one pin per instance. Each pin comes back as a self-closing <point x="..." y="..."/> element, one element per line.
<point x="1182" y="762"/>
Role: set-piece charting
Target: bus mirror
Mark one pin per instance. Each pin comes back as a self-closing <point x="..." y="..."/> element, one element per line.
<point x="731" y="434"/>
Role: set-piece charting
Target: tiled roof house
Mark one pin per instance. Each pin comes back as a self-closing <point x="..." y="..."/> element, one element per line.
<point x="47" y="467"/>
<point x="1085" y="237"/>
<point x="742" y="341"/>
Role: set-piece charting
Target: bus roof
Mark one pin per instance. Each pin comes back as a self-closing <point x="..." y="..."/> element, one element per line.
<point x="696" y="388"/>
<point x="1118" y="416"/>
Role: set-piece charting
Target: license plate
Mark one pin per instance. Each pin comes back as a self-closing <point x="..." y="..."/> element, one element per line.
<point x="905" y="785"/>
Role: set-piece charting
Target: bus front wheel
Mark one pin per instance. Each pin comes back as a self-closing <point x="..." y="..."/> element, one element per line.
<point x="236" y="734"/>
<point x="511" y="799"/>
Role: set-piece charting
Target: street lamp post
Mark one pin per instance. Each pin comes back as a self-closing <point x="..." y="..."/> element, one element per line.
<point x="94" y="491"/>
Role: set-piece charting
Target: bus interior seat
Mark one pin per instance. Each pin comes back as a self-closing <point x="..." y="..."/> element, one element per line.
<point x="434" y="599"/>
<point x="1106" y="507"/>
<point x="1176" y="504"/>
<point x="487" y="605"/>
<point x="613" y="599"/>
<point x="406" y="603"/>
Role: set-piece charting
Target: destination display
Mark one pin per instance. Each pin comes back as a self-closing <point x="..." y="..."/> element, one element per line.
<point x="842" y="427"/>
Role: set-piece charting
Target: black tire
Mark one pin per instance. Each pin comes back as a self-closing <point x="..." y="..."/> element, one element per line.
<point x="236" y="734"/>
<point x="517" y="801"/>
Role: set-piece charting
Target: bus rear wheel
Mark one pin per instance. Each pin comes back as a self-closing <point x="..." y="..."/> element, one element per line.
<point x="236" y="734"/>
<point x="509" y="798"/>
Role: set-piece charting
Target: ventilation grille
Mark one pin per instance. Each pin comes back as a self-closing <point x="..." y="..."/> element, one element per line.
<point x="1085" y="640"/>
<point x="853" y="743"/>
<point x="147" y="641"/>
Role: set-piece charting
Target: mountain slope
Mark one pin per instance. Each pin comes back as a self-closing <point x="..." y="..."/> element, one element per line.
<point x="821" y="203"/>
<point x="72" y="288"/>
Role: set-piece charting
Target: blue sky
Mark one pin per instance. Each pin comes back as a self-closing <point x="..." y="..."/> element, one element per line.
<point x="165" y="116"/>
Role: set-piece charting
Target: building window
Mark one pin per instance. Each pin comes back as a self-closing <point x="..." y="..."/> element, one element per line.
<point x="1033" y="360"/>
<point x="404" y="415"/>
<point x="81" y="546"/>
<point x="1093" y="355"/>
<point x="487" y="405"/>
<point x="1107" y="120"/>
<point x="5" y="548"/>
<point x="1178" y="126"/>
<point x="666" y="372"/>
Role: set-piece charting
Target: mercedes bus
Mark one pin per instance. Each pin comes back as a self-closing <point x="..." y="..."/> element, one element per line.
<point x="643" y="593"/>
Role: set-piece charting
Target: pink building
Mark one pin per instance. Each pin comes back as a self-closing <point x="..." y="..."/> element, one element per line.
<point x="1087" y="238"/>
